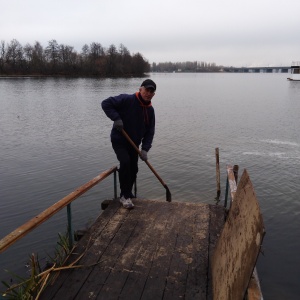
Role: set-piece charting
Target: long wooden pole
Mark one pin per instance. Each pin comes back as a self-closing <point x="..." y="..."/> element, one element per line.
<point x="168" y="193"/>
<point x="49" y="212"/>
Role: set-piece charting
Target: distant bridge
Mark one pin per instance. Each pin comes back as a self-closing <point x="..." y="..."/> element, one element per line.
<point x="257" y="69"/>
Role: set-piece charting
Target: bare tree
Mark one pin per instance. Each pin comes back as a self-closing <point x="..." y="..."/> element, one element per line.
<point x="38" y="58"/>
<point x="14" y="55"/>
<point x="111" y="60"/>
<point x="52" y="55"/>
<point x="85" y="51"/>
<point x="67" y="58"/>
<point x="125" y="60"/>
<point x="139" y="64"/>
<point x="55" y="59"/>
<point x="96" y="51"/>
<point x="2" y="56"/>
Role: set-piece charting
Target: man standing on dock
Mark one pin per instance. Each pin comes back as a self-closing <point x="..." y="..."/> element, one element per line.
<point x="135" y="114"/>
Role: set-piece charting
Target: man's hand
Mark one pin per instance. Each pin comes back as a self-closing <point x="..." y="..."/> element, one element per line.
<point x="144" y="155"/>
<point x="118" y="124"/>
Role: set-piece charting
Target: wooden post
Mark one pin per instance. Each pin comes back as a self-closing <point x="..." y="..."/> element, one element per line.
<point x="218" y="173"/>
<point x="232" y="182"/>
<point x="236" y="173"/>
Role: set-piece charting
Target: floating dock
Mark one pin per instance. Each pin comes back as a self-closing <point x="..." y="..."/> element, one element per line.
<point x="158" y="250"/>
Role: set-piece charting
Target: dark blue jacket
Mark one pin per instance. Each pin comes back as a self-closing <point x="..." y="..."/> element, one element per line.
<point x="138" y="118"/>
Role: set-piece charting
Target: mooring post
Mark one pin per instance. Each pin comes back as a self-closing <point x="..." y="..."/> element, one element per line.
<point x="236" y="172"/>
<point x="218" y="173"/>
<point x="226" y="192"/>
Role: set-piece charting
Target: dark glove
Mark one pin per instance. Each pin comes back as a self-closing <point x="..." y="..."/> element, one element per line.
<point x="143" y="155"/>
<point x="118" y="124"/>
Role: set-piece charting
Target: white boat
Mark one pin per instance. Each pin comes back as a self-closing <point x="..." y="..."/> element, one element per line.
<point x="295" y="71"/>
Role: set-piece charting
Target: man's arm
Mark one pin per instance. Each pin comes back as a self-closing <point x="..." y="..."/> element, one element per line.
<point x="148" y="137"/>
<point x="111" y="106"/>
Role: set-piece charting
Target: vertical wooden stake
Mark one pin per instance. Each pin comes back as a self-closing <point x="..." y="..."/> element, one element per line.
<point x="218" y="173"/>
<point x="236" y="173"/>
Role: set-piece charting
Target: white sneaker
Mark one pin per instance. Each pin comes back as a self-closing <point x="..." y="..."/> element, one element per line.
<point x="127" y="203"/>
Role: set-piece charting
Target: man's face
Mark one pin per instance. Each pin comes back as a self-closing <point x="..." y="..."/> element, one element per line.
<point x="147" y="93"/>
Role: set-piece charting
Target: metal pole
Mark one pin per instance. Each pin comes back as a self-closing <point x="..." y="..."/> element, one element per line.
<point x="115" y="184"/>
<point x="218" y="173"/>
<point x="135" y="188"/>
<point x="70" y="226"/>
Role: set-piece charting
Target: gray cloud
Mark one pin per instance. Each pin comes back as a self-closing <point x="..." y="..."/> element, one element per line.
<point x="229" y="32"/>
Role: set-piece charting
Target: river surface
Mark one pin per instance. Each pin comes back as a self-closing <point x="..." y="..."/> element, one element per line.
<point x="55" y="137"/>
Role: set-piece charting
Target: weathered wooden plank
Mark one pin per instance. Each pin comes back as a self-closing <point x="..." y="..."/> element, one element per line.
<point x="107" y="280"/>
<point x="198" y="269"/>
<point x="164" y="245"/>
<point x="151" y="236"/>
<point x="83" y="245"/>
<point x="180" y="256"/>
<point x="70" y="281"/>
<point x="98" y="277"/>
<point x="217" y="220"/>
<point x="102" y="250"/>
<point x="239" y="244"/>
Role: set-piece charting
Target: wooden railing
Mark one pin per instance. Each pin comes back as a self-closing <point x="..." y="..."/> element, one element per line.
<point x="24" y="229"/>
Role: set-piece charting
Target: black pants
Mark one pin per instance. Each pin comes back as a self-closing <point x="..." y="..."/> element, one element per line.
<point x="128" y="158"/>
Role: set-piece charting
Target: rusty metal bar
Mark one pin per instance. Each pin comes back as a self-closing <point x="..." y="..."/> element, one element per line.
<point x="115" y="183"/>
<point x="20" y="232"/>
<point x="70" y="226"/>
<point x="218" y="173"/>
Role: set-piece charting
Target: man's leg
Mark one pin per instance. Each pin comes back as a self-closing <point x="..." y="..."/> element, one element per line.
<point x="125" y="173"/>
<point x="133" y="167"/>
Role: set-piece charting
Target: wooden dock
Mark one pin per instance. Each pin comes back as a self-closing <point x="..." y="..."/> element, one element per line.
<point x="158" y="250"/>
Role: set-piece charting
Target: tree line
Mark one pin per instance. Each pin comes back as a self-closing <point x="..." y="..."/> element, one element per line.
<point x="59" y="59"/>
<point x="189" y="66"/>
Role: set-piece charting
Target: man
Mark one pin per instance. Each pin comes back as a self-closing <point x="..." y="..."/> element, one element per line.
<point x="135" y="114"/>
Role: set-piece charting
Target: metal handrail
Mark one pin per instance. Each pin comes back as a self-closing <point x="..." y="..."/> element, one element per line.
<point x="24" y="229"/>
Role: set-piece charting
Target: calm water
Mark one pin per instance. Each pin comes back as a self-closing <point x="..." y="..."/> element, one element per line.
<point x="55" y="137"/>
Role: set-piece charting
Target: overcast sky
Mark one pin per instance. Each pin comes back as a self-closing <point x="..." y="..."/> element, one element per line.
<point x="226" y="32"/>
